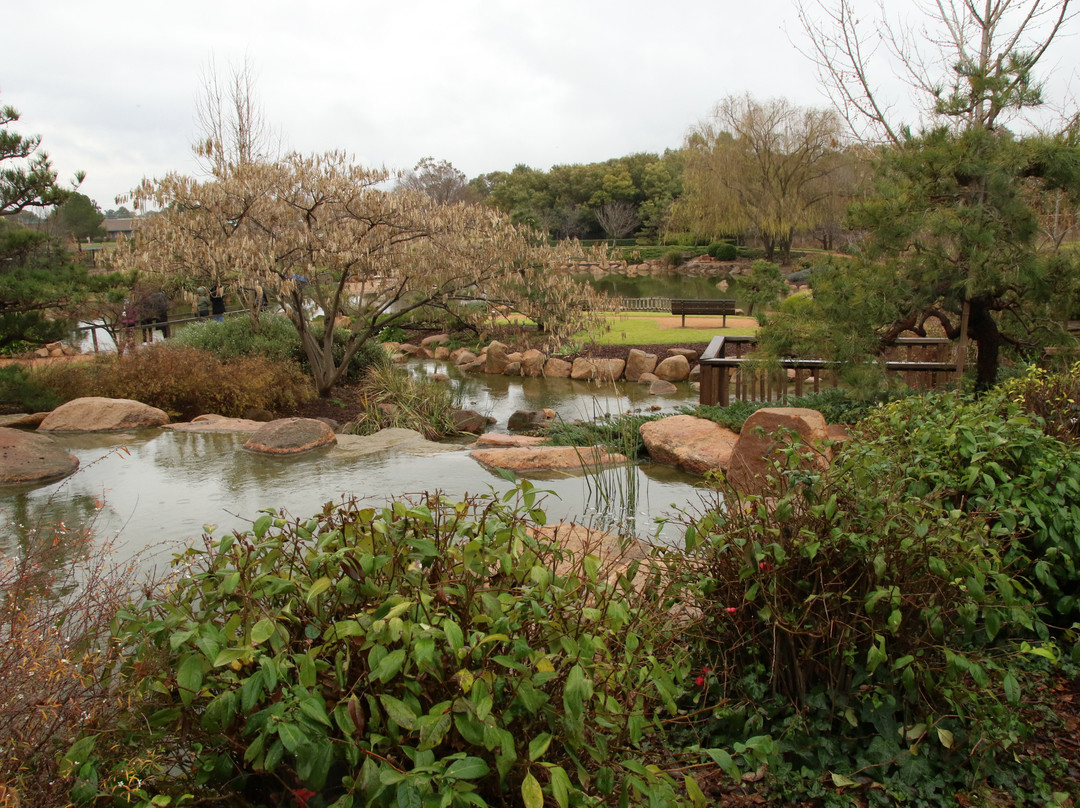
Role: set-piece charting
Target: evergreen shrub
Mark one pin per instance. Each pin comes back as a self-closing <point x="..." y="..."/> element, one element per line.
<point x="427" y="653"/>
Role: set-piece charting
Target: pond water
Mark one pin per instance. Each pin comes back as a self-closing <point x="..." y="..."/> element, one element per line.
<point x="670" y="284"/>
<point x="157" y="488"/>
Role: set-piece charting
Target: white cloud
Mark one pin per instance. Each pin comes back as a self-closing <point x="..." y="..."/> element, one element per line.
<point x="485" y="84"/>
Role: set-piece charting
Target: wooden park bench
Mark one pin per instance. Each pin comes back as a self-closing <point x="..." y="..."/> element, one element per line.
<point x="713" y="307"/>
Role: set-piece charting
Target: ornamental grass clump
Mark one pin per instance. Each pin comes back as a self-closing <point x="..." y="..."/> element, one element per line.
<point x="427" y="653"/>
<point x="391" y="397"/>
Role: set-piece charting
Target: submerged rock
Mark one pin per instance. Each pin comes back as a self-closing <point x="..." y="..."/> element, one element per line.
<point x="548" y="458"/>
<point x="290" y="436"/>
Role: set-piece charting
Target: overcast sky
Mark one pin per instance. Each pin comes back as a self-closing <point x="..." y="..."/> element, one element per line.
<point x="485" y="84"/>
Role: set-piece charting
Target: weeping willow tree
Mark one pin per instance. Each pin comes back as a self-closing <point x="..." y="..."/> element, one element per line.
<point x="761" y="168"/>
<point x="327" y="240"/>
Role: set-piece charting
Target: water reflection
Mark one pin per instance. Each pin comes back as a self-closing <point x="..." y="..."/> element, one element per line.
<point x="167" y="485"/>
<point x="500" y="396"/>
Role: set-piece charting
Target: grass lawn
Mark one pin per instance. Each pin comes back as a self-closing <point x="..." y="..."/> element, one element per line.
<point x="655" y="328"/>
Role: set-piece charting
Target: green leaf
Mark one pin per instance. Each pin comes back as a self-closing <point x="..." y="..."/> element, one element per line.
<point x="408" y="795"/>
<point x="1012" y="689"/>
<point x="398" y="711"/>
<point x="433" y="730"/>
<point x="77" y="755"/>
<point x="262" y="631"/>
<point x="531" y="793"/>
<point x="307" y="672"/>
<point x="468" y="768"/>
<point x="389" y="666"/>
<point x="693" y="790"/>
<point x="840" y="781"/>
<point x="945" y="737"/>
<point x="560" y="786"/>
<point x="227" y="656"/>
<point x="291" y="736"/>
<point x="539" y="745"/>
<point x="722" y="759"/>
<point x="454" y="636"/>
<point x="189" y="677"/>
<point x="316" y="589"/>
<point x="313" y="708"/>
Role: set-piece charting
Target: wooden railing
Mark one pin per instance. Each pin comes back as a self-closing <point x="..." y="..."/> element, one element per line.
<point x="726" y="373"/>
<point x="645" y="304"/>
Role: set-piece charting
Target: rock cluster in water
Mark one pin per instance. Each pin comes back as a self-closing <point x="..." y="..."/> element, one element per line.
<point x="638" y="366"/>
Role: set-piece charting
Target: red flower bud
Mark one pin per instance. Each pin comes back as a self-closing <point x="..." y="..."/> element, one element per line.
<point x="303" y="795"/>
<point x="731" y="610"/>
<point x="764" y="566"/>
<point x="700" y="681"/>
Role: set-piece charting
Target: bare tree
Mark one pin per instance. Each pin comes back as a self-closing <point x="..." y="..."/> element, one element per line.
<point x="969" y="61"/>
<point x="438" y="180"/>
<point x="231" y="125"/>
<point x="618" y="218"/>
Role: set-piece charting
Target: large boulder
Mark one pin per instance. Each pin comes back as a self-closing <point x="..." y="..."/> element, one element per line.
<point x="532" y="363"/>
<point x="548" y="458"/>
<point x="28" y="457"/>
<point x="690" y="354"/>
<point x="97" y="414"/>
<point x="597" y="370"/>
<point x="614" y="553"/>
<point x="696" y="445"/>
<point x="462" y="356"/>
<point x="556" y="368"/>
<point x="497" y="358"/>
<point x="673" y="369"/>
<point x="522" y="420"/>
<point x="762" y="437"/>
<point x="638" y="362"/>
<point x="291" y="436"/>
<point x="469" y="421"/>
<point x="434" y="339"/>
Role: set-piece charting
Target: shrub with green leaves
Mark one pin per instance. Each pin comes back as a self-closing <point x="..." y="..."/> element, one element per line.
<point x="21" y="392"/>
<point x="1053" y="397"/>
<point x="276" y="337"/>
<point x="868" y="627"/>
<point x="426" y="653"/>
<point x="723" y="251"/>
<point x="991" y="459"/>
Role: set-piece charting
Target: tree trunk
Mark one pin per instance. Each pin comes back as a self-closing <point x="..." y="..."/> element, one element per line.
<point x="984" y="331"/>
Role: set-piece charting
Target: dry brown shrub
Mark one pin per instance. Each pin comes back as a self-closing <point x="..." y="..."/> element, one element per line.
<point x="59" y="590"/>
<point x="185" y="382"/>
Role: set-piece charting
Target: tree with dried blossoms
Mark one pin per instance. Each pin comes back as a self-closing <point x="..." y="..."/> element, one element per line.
<point x="326" y="239"/>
